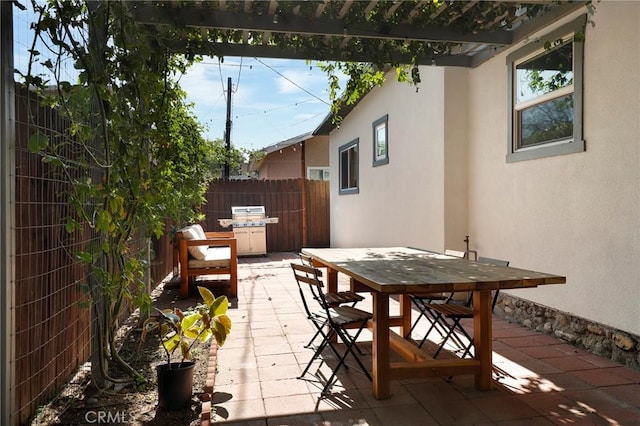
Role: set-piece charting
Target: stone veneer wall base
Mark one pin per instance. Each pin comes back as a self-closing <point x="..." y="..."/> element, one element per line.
<point x="601" y="340"/>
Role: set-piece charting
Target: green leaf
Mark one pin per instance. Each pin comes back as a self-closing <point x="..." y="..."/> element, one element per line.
<point x="206" y="295"/>
<point x="52" y="159"/>
<point x="85" y="257"/>
<point x="38" y="142"/>
<point x="219" y="306"/>
<point x="72" y="225"/>
<point x="103" y="221"/>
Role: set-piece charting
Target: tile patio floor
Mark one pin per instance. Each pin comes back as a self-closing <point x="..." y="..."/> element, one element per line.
<point x="544" y="380"/>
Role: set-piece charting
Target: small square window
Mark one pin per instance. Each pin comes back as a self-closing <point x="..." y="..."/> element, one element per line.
<point x="380" y="141"/>
<point x="348" y="155"/>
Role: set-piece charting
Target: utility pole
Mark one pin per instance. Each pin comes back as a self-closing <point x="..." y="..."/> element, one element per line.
<point x="227" y="133"/>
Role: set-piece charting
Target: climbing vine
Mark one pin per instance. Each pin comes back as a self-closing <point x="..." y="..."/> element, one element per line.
<point x="133" y="154"/>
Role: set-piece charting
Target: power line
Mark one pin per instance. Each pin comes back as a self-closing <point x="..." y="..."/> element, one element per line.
<point x="292" y="82"/>
<point x="239" y="72"/>
<point x="274" y="109"/>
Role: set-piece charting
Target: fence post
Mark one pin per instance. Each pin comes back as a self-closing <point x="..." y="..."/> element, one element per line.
<point x="303" y="210"/>
<point x="7" y="216"/>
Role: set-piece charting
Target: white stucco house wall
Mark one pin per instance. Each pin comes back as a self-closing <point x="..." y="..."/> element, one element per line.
<point x="450" y="172"/>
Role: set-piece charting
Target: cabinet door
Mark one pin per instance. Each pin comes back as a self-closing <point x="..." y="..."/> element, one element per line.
<point x="243" y="240"/>
<point x="258" y="240"/>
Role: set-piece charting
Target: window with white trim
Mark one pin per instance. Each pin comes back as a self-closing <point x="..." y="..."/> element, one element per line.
<point x="380" y="141"/>
<point x="348" y="158"/>
<point x="545" y="86"/>
<point x="318" y="173"/>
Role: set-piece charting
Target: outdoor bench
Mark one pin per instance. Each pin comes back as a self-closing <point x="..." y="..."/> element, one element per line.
<point x="205" y="253"/>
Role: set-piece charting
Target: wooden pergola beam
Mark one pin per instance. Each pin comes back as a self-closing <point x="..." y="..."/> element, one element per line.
<point x="290" y="24"/>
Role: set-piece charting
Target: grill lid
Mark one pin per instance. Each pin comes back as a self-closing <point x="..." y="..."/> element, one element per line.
<point x="246" y="216"/>
<point x="248" y="212"/>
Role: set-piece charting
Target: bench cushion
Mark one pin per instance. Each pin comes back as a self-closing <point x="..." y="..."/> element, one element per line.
<point x="191" y="233"/>
<point x="215" y="257"/>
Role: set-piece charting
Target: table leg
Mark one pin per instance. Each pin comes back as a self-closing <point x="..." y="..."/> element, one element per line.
<point x="381" y="361"/>
<point x="332" y="280"/>
<point x="482" y="337"/>
<point x="405" y="314"/>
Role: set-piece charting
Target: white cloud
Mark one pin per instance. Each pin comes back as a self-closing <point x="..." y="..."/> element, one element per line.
<point x="312" y="81"/>
<point x="202" y="85"/>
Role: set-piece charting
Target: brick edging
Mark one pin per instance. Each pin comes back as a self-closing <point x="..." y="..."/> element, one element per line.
<point x="212" y="368"/>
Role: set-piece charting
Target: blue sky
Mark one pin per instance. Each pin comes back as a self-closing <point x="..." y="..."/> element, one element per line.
<point x="272" y="99"/>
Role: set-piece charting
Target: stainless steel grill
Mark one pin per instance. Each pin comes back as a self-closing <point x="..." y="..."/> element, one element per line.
<point x="249" y="226"/>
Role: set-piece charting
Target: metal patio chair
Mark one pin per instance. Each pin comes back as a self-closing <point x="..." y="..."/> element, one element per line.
<point x="330" y="322"/>
<point x="338" y="298"/>
<point x="422" y="302"/>
<point x="450" y="315"/>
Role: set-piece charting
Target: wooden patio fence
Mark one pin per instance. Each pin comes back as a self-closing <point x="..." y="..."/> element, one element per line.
<point x="52" y="334"/>
<point x="301" y="206"/>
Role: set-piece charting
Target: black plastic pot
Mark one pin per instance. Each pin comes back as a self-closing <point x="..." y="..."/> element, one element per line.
<point x="175" y="385"/>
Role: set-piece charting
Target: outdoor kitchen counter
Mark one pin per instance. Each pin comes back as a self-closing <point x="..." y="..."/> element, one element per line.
<point x="402" y="270"/>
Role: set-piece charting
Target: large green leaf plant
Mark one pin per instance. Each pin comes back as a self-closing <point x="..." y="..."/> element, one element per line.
<point x="181" y="330"/>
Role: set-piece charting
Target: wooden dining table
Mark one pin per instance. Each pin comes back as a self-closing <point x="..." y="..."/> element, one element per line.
<point x="386" y="271"/>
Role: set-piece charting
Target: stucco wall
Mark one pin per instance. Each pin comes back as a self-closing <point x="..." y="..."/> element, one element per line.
<point x="403" y="202"/>
<point x="283" y="164"/>
<point x="576" y="215"/>
<point x="579" y="214"/>
<point x="316" y="151"/>
<point x="455" y="159"/>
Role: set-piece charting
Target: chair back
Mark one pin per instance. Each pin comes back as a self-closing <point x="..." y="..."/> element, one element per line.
<point x="310" y="276"/>
<point x="491" y="261"/>
<point x="456" y="253"/>
<point x="497" y="262"/>
<point x="305" y="259"/>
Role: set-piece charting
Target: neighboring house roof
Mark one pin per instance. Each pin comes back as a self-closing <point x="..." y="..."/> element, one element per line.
<point x="286" y="143"/>
<point x="255" y="164"/>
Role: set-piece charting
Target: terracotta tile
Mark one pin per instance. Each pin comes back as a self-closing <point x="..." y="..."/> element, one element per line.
<point x="283" y="387"/>
<point x="594" y="399"/>
<point x="238" y="392"/>
<point x="541" y="352"/>
<point x="340" y="400"/>
<point x="276" y="360"/>
<point x="543" y="380"/>
<point x="273" y="349"/>
<point x="456" y="411"/>
<point x="504" y="407"/>
<point x="629" y="394"/>
<point x="351" y="417"/>
<point x="568" y="363"/>
<point x="282" y="372"/>
<point x="547" y="403"/>
<point x="534" y="421"/>
<point x="406" y="415"/>
<point x="296" y="420"/>
<point x="289" y="405"/>
<point x="601" y="362"/>
<point x="565" y="382"/>
<point x="230" y="376"/>
<point x="237" y="410"/>
<point x="601" y="377"/>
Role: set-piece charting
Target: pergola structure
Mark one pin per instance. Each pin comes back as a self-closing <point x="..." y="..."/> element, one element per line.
<point x="426" y="32"/>
<point x="418" y="32"/>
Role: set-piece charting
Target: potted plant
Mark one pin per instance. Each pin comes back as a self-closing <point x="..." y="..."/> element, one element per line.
<point x="179" y="332"/>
